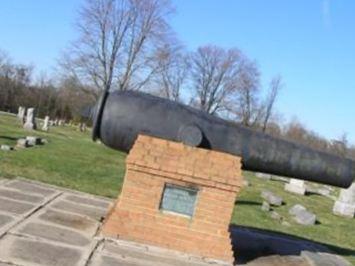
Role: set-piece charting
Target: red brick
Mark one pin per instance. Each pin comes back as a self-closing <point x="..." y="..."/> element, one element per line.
<point x="153" y="162"/>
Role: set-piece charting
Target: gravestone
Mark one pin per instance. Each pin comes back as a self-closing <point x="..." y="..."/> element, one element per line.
<point x="271" y="198"/>
<point x="21" y="113"/>
<point x="296" y="186"/>
<point x="30" y="123"/>
<point x="345" y="205"/>
<point x="302" y="216"/>
<point x="263" y="176"/>
<point x="46" y="124"/>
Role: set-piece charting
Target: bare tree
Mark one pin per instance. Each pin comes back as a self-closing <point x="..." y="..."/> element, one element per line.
<point x="275" y="87"/>
<point x="246" y="105"/>
<point x="173" y="68"/>
<point x="117" y="41"/>
<point x="214" y="77"/>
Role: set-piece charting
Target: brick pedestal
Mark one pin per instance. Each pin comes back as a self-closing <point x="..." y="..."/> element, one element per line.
<point x="154" y="163"/>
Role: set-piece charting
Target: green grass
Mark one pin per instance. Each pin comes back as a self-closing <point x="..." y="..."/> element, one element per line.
<point x="72" y="160"/>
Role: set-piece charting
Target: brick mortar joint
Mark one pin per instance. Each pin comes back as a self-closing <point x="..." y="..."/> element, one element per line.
<point x="142" y="168"/>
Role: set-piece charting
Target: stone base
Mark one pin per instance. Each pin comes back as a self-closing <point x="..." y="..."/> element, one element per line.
<point x="295" y="189"/>
<point x="29" y="126"/>
<point x="344" y="209"/>
<point x="151" y="165"/>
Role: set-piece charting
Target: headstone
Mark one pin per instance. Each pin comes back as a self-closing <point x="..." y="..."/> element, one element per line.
<point x="22" y="143"/>
<point x="263" y="176"/>
<point x="46" y="124"/>
<point x="21" y="113"/>
<point x="305" y="217"/>
<point x="271" y="198"/>
<point x="30" y="123"/>
<point x="61" y="122"/>
<point x="6" y="147"/>
<point x="32" y="141"/>
<point x="345" y="205"/>
<point x="296" y="186"/>
<point x="296" y="209"/>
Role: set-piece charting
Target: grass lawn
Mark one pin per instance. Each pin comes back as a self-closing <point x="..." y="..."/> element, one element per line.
<point x="72" y="160"/>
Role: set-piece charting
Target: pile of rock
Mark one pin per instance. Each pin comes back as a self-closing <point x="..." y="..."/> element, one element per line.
<point x="302" y="216"/>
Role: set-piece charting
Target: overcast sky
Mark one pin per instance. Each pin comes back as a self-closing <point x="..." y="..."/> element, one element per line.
<point x="311" y="44"/>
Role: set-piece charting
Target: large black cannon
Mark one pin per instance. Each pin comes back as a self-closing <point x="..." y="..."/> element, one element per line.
<point x="121" y="116"/>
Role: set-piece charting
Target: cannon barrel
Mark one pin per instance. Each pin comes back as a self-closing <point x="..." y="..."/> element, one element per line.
<point x="120" y="116"/>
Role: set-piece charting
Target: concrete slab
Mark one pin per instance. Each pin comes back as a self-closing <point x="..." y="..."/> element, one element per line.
<point x="33" y="252"/>
<point x="111" y="261"/>
<point x="5" y="219"/>
<point x="70" y="220"/>
<point x="91" y="212"/>
<point x="88" y="201"/>
<point x="15" y="207"/>
<point x="55" y="233"/>
<point x="29" y="187"/>
<point x="16" y="195"/>
<point x="130" y="253"/>
<point x="279" y="260"/>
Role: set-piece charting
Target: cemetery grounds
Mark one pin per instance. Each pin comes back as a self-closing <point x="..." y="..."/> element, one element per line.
<point x="72" y="160"/>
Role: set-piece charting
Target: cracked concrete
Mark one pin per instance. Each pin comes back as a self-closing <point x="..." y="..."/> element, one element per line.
<point x="46" y="225"/>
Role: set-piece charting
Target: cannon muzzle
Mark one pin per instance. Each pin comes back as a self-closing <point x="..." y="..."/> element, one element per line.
<point x="121" y="116"/>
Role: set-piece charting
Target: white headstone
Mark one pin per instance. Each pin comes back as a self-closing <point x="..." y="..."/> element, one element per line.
<point x="345" y="205"/>
<point x="46" y="124"/>
<point x="21" y="113"/>
<point x="296" y="186"/>
<point x="30" y="123"/>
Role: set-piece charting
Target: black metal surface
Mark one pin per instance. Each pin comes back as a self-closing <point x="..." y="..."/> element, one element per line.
<point x="121" y="116"/>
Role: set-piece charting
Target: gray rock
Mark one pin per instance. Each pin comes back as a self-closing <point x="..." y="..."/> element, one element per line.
<point x="22" y="143"/>
<point x="296" y="209"/>
<point x="6" y="148"/>
<point x="271" y="198"/>
<point x="305" y="217"/>
<point x="265" y="206"/>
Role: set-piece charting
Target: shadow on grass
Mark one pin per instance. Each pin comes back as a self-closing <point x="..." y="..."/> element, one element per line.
<point x="251" y="243"/>
<point x="247" y="202"/>
<point x="8" y="138"/>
